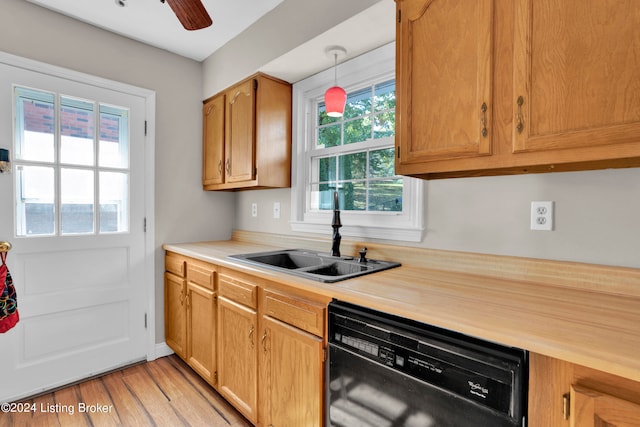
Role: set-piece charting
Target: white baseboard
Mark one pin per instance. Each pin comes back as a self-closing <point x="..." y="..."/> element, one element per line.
<point x="161" y="350"/>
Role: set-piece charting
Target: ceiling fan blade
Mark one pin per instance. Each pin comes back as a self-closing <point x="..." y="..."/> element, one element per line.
<point x="191" y="14"/>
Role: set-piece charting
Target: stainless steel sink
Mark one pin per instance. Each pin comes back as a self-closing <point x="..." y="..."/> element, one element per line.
<point x="314" y="265"/>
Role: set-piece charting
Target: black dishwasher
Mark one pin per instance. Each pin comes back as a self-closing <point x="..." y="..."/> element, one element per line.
<point x="386" y="371"/>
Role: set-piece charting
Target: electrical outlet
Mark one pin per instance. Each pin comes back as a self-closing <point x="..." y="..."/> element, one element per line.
<point x="254" y="210"/>
<point x="276" y="210"/>
<point x="542" y="216"/>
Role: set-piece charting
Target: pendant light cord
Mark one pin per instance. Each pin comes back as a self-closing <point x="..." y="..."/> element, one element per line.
<point x="335" y="69"/>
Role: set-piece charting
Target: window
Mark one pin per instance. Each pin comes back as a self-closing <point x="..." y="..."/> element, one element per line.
<point x="72" y="165"/>
<point x="353" y="155"/>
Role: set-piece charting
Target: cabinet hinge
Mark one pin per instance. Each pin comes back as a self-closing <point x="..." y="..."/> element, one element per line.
<point x="398" y="151"/>
<point x="255" y="84"/>
<point x="145" y="128"/>
<point x="399" y="15"/>
<point x="215" y="376"/>
<point x="144" y="224"/>
<point x="324" y="354"/>
<point x="145" y="320"/>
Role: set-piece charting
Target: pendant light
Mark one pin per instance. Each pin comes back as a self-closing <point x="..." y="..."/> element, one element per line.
<point x="335" y="97"/>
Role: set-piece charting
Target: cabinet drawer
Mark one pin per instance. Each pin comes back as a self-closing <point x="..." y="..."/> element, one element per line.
<point x="201" y="274"/>
<point x="303" y="314"/>
<point x="238" y="290"/>
<point x="174" y="264"/>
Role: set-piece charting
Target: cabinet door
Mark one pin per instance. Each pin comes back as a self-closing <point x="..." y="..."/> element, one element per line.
<point x="444" y="96"/>
<point x="577" y="78"/>
<point x="291" y="376"/>
<point x="201" y="310"/>
<point x="590" y="408"/>
<point x="238" y="356"/>
<point x="240" y="132"/>
<point x="175" y="313"/>
<point x="213" y="141"/>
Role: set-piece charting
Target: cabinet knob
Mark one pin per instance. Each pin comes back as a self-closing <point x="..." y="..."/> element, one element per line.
<point x="263" y="341"/>
<point x="220" y="167"/>
<point x="228" y="166"/>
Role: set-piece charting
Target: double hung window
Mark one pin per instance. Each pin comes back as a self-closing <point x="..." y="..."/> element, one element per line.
<point x="353" y="155"/>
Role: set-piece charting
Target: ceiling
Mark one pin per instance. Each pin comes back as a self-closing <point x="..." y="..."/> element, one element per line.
<point x="154" y="23"/>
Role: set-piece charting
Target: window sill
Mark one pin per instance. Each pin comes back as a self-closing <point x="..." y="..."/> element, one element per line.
<point x="369" y="232"/>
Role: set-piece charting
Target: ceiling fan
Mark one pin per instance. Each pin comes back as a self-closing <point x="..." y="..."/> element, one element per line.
<point x="191" y="13"/>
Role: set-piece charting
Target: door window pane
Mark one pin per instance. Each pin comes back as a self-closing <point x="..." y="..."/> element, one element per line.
<point x="35" y="125"/>
<point x="114" y="137"/>
<point x="35" y="214"/>
<point x="114" y="199"/>
<point x="76" y="132"/>
<point x="77" y="197"/>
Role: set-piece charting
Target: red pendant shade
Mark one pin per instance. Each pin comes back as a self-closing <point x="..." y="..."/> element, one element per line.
<point x="335" y="99"/>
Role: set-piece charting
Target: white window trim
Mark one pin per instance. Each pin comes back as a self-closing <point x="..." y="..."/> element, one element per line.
<point x="352" y="74"/>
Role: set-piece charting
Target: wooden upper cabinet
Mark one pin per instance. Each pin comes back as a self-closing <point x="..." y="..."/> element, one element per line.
<point x="213" y="134"/>
<point x="247" y="136"/>
<point x="590" y="408"/>
<point x="444" y="81"/>
<point x="560" y="80"/>
<point x="240" y="132"/>
<point x="577" y="75"/>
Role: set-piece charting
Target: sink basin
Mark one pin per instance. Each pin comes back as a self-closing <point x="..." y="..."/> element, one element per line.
<point x="314" y="265"/>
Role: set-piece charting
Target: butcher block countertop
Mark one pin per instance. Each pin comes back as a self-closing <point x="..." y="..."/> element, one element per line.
<point x="582" y="313"/>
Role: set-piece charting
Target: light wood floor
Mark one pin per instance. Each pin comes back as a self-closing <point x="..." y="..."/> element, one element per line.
<point x="165" y="392"/>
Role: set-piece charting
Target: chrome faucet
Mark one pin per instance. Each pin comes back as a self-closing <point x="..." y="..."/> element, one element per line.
<point x="336" y="224"/>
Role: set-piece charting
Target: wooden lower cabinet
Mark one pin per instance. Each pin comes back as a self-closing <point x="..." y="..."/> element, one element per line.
<point x="201" y="321"/>
<point x="591" y="408"/>
<point x="190" y="313"/>
<point x="563" y="394"/>
<point x="175" y="314"/>
<point x="291" y="380"/>
<point x="238" y="356"/>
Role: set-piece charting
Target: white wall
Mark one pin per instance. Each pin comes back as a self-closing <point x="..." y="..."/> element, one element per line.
<point x="183" y="212"/>
<point x="597" y="215"/>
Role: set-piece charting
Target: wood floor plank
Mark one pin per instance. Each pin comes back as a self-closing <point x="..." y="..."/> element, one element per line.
<point x="164" y="392"/>
<point x="130" y="410"/>
<point x="231" y="416"/>
<point x="40" y="417"/>
<point x="188" y="395"/>
<point x="65" y="408"/>
<point x="97" y="403"/>
<point x="154" y="400"/>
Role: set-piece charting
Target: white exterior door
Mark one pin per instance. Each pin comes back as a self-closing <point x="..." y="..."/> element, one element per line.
<point x="74" y="209"/>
